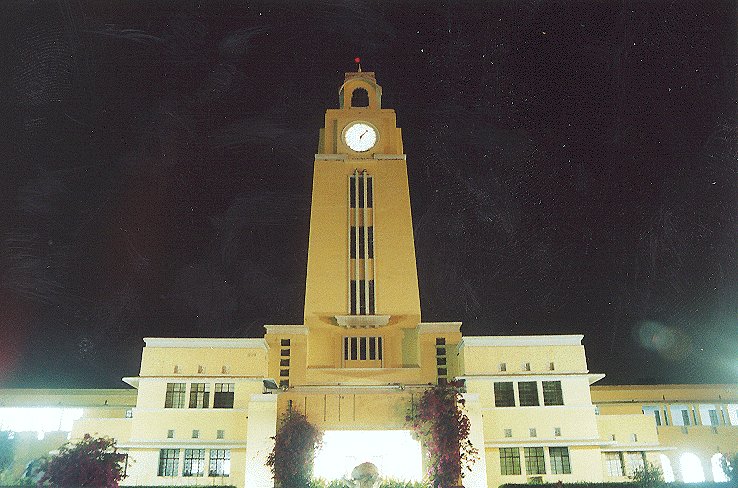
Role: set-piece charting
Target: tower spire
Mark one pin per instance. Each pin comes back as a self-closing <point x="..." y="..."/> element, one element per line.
<point x="357" y="60"/>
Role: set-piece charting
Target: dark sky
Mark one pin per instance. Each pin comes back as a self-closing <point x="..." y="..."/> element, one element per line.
<point x="572" y="168"/>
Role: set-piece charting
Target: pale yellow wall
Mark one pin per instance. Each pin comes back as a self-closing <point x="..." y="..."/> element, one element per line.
<point x="623" y="427"/>
<point x="161" y="361"/>
<point x="486" y="359"/>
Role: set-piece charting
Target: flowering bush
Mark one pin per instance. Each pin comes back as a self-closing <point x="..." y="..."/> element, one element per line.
<point x="442" y="426"/>
<point x="291" y="459"/>
<point x="90" y="462"/>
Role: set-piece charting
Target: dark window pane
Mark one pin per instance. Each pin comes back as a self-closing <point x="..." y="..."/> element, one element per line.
<point x="284" y="342"/>
<point x="442" y="371"/>
<point x="534" y="460"/>
<point x="352" y="291"/>
<point x="552" y="393"/>
<point x="504" y="394"/>
<point x="372" y="310"/>
<point x="284" y="362"/>
<point x="369" y="192"/>
<point x="372" y="348"/>
<point x="379" y="347"/>
<point x="359" y="98"/>
<point x="509" y="460"/>
<point x="361" y="243"/>
<point x="284" y="383"/>
<point x="284" y="352"/>
<point x="441" y="361"/>
<point x="345" y="348"/>
<point x="370" y="247"/>
<point x="362" y="297"/>
<point x="528" y="393"/>
<point x="352" y="244"/>
<point x="284" y="372"/>
<point x="440" y="351"/>
<point x="440" y="341"/>
<point x="362" y="348"/>
<point x="354" y="348"/>
<point x="361" y="192"/>
<point x="559" y="460"/>
<point x="352" y="191"/>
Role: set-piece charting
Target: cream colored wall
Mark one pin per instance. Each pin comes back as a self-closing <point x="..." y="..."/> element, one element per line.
<point x="486" y="359"/>
<point x="161" y="361"/>
<point x="585" y="463"/>
<point x="623" y="427"/>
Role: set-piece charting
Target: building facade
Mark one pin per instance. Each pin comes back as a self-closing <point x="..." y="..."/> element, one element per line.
<point x="205" y="409"/>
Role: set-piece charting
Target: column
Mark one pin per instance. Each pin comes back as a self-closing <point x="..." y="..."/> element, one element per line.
<point x="477" y="478"/>
<point x="261" y="427"/>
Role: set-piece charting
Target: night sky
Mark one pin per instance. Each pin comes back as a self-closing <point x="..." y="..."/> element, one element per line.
<point x="572" y="169"/>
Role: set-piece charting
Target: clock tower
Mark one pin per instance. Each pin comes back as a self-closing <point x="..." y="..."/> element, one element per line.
<point x="361" y="256"/>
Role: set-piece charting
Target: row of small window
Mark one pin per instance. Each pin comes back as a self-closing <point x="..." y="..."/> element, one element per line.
<point x="284" y="363"/>
<point x="527" y="393"/>
<point x="357" y="181"/>
<point x="364" y="302"/>
<point x="194" y="462"/>
<point x="685" y="415"/>
<point x="219" y="434"/>
<point x="535" y="460"/>
<point x="360" y="348"/>
<point x="623" y="463"/>
<point x="441" y="366"/>
<point x="525" y="367"/>
<point x="533" y="432"/>
<point x="201" y="369"/>
<point x="199" y="395"/>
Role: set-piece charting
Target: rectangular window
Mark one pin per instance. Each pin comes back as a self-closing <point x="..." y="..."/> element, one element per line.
<point x="284" y="362"/>
<point x="223" y="397"/>
<point x="194" y="462"/>
<point x="195" y="434"/>
<point x="175" y="397"/>
<point x="362" y="297"/>
<point x="533" y="432"/>
<point x="552" y="393"/>
<point x="372" y="309"/>
<point x="199" y="395"/>
<point x="614" y="462"/>
<point x="284" y="372"/>
<point x="559" y="460"/>
<point x="503" y="367"/>
<point x="685" y="417"/>
<point x="534" y="460"/>
<point x="526" y="366"/>
<point x="504" y="394"/>
<point x="220" y="462"/>
<point x="440" y="341"/>
<point x="220" y="434"/>
<point x="713" y="417"/>
<point x="284" y="342"/>
<point x="362" y="348"/>
<point x="170" y="434"/>
<point x="557" y="431"/>
<point x="369" y="192"/>
<point x="509" y="460"/>
<point x="284" y="352"/>
<point x="528" y="393"/>
<point x="370" y="242"/>
<point x="440" y="361"/>
<point x="168" y="462"/>
<point x="508" y="432"/>
<point x="442" y="371"/>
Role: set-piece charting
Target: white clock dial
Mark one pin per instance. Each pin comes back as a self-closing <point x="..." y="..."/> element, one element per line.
<point x="360" y="136"/>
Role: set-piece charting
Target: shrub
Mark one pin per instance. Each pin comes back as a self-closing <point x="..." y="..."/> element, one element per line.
<point x="90" y="462"/>
<point x="292" y="457"/>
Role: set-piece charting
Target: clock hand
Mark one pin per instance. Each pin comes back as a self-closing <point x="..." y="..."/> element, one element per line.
<point x="362" y="135"/>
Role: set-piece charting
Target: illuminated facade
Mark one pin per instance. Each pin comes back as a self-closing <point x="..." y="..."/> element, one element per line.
<point x="205" y="409"/>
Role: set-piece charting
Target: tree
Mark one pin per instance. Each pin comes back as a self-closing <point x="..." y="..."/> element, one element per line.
<point x="443" y="427"/>
<point x="648" y="476"/>
<point x="90" y="462"/>
<point x="7" y="450"/>
<point x="292" y="457"/>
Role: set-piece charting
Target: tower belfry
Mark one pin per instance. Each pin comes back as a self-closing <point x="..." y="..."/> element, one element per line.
<point x="361" y="256"/>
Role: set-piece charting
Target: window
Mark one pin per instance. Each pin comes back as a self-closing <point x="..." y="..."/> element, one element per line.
<point x="680" y="414"/>
<point x="284" y="362"/>
<point x="441" y="361"/>
<point x="552" y="393"/>
<point x="551" y="366"/>
<point x="284" y="352"/>
<point x="195" y="434"/>
<point x="170" y="434"/>
<point x="223" y="397"/>
<point x="284" y="342"/>
<point x="526" y="366"/>
<point x="504" y="394"/>
<point x="614" y="462"/>
<point x="362" y="348"/>
<point x="534" y="460"/>
<point x="194" y="462"/>
<point x="359" y="98"/>
<point x="220" y="462"/>
<point x="220" y="434"/>
<point x="201" y="369"/>
<point x="559" y="460"/>
<point x="508" y="432"/>
<point x="528" y="393"/>
<point x="175" y="397"/>
<point x="557" y="431"/>
<point x="633" y="462"/>
<point x="168" y="462"/>
<point x="509" y="460"/>
<point x="533" y="432"/>
<point x="653" y="410"/>
<point x="503" y="367"/>
<point x="634" y="437"/>
<point x="129" y="413"/>
<point x="199" y="395"/>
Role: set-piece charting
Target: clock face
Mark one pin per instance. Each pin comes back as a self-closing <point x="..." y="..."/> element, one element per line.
<point x="360" y="136"/>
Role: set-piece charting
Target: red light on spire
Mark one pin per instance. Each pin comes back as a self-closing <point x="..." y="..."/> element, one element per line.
<point x="357" y="60"/>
